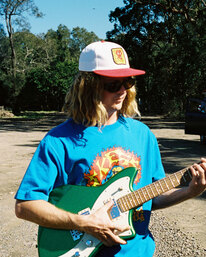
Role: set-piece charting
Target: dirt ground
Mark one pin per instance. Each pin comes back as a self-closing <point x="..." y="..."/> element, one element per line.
<point x="19" y="139"/>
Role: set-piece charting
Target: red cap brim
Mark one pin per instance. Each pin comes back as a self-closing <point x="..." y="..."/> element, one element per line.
<point x="119" y="73"/>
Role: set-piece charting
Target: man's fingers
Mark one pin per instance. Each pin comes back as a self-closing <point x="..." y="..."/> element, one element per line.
<point x="120" y="228"/>
<point x="114" y="240"/>
<point x="195" y="174"/>
<point x="199" y="171"/>
<point x="203" y="159"/>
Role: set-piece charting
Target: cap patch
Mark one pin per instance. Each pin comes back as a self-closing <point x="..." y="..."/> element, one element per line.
<point x="118" y="56"/>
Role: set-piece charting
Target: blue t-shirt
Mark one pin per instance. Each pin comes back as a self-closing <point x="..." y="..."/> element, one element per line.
<point x="74" y="154"/>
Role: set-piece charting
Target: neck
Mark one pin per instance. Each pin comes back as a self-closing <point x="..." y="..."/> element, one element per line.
<point x="112" y="118"/>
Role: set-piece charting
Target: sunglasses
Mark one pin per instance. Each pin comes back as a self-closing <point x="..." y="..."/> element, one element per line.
<point x="115" y="86"/>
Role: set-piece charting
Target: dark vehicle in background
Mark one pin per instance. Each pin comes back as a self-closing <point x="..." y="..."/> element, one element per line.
<point x="195" y="118"/>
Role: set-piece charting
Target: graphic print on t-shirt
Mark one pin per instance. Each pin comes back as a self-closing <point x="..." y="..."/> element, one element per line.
<point x="109" y="163"/>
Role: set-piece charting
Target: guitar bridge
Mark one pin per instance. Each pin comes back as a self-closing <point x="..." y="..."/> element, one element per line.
<point x="76" y="235"/>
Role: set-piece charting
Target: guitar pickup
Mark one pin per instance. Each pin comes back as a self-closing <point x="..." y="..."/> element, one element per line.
<point x="76" y="235"/>
<point x="114" y="212"/>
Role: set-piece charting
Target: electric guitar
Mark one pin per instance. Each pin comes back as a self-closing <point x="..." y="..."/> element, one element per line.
<point x="84" y="200"/>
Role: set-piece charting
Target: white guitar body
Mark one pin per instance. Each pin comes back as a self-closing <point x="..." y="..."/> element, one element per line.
<point x="114" y="191"/>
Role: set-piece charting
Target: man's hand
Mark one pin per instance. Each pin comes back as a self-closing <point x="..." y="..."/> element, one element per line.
<point x="198" y="183"/>
<point x="178" y="195"/>
<point x="99" y="225"/>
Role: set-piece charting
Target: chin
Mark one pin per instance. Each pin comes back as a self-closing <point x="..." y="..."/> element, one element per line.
<point x="117" y="107"/>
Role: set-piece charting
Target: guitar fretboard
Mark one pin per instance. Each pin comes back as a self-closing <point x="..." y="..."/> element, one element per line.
<point x="144" y="194"/>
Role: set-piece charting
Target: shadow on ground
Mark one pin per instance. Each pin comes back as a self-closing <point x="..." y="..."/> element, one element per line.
<point x="25" y="125"/>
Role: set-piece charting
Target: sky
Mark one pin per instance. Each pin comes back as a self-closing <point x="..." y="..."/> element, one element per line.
<point x="92" y="15"/>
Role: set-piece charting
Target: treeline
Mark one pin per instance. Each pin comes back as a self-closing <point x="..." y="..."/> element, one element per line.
<point x="45" y="67"/>
<point x="164" y="37"/>
<point x="167" y="38"/>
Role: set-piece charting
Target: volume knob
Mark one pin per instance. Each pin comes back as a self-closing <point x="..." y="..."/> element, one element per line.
<point x="89" y="243"/>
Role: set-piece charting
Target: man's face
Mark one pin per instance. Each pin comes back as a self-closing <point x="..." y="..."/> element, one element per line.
<point x="113" y="100"/>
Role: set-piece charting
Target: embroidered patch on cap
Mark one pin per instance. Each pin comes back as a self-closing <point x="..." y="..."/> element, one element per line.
<point x="118" y="56"/>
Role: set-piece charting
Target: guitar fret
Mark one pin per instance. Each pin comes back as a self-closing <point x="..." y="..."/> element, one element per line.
<point x="177" y="178"/>
<point x="143" y="194"/>
<point x="136" y="198"/>
<point x="160" y="185"/>
<point x="148" y="192"/>
<point x="119" y="204"/>
<point x="134" y="203"/>
<point x="122" y="205"/>
<point x="171" y="181"/>
<point x="166" y="184"/>
<point x="183" y="176"/>
<point x="140" y="198"/>
<point x="156" y="188"/>
<point x="152" y="190"/>
<point x="128" y="202"/>
<point x="124" y="201"/>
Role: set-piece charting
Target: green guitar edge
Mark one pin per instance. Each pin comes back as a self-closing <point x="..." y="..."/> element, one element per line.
<point x="74" y="198"/>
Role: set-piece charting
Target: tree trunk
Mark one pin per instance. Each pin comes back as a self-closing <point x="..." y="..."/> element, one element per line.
<point x="13" y="53"/>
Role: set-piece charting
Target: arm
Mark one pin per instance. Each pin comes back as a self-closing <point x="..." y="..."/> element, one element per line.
<point x="97" y="224"/>
<point x="177" y="195"/>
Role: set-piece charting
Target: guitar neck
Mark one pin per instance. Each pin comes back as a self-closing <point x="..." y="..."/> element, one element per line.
<point x="144" y="194"/>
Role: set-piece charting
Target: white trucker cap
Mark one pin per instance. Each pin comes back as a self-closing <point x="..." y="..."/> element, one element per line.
<point x="106" y="59"/>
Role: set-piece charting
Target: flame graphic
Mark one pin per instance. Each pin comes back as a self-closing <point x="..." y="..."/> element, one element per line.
<point x="109" y="163"/>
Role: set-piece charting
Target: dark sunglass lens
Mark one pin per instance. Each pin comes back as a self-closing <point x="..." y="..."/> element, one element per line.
<point x="116" y="86"/>
<point x="112" y="87"/>
<point x="129" y="83"/>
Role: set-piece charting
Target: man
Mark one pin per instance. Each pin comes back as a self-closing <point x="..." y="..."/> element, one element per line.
<point x="99" y="139"/>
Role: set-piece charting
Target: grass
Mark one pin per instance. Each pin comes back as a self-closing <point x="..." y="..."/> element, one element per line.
<point x="34" y="114"/>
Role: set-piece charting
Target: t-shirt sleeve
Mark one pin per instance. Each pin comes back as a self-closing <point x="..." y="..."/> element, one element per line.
<point x="41" y="174"/>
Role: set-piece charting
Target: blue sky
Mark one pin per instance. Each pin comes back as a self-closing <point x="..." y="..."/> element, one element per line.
<point x="90" y="14"/>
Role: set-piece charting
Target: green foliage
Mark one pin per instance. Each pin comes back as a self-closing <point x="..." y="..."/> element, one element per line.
<point x="80" y="38"/>
<point x="167" y="39"/>
<point x="49" y="87"/>
<point x="46" y="66"/>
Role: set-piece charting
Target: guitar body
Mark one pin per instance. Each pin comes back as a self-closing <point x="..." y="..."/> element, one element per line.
<point x="84" y="200"/>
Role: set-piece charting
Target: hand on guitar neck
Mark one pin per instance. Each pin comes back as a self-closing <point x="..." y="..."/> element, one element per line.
<point x="198" y="183"/>
<point x="177" y="195"/>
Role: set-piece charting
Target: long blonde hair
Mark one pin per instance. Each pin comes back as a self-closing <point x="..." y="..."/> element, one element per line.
<point x="84" y="105"/>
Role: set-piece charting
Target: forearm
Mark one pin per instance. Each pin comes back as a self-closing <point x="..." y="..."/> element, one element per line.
<point x="97" y="224"/>
<point x="45" y="214"/>
<point x="172" y="197"/>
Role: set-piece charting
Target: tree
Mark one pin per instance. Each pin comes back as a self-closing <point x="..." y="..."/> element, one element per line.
<point x="48" y="87"/>
<point x="167" y="39"/>
<point x="49" y="64"/>
<point x="45" y="68"/>
<point x="80" y="38"/>
<point x="5" y="84"/>
<point x="12" y="12"/>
